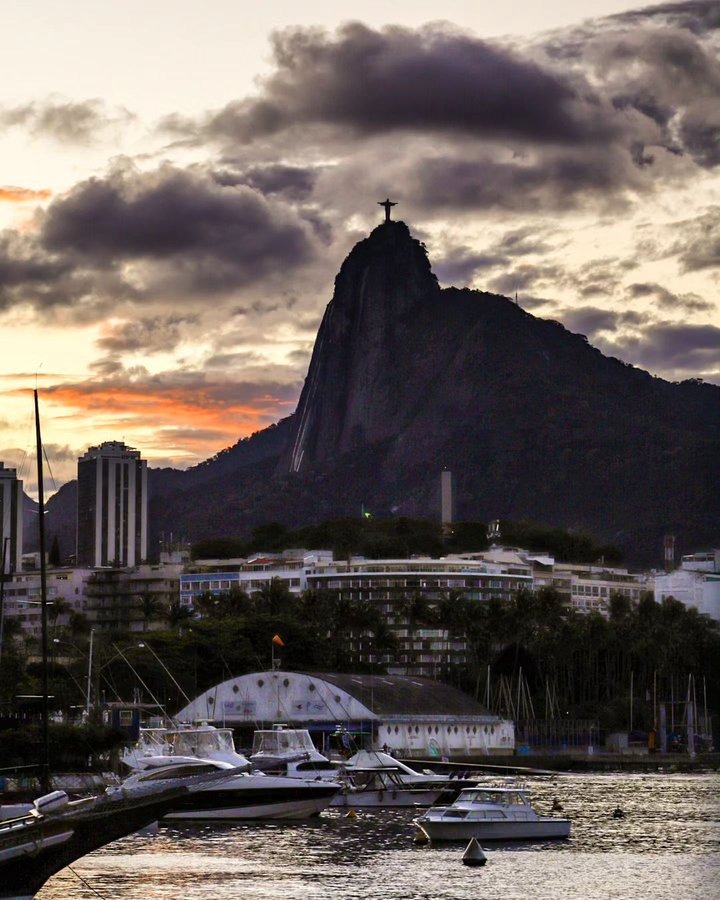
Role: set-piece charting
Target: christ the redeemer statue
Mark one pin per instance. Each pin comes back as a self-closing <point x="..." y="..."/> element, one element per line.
<point x="388" y="204"/>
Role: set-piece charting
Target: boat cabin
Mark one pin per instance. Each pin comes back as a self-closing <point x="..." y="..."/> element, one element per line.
<point x="492" y="797"/>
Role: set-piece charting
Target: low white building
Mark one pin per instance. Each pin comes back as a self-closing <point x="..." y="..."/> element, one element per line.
<point x="586" y="587"/>
<point x="65" y="595"/>
<point x="414" y="717"/>
<point x="696" y="583"/>
<point x="214" y="576"/>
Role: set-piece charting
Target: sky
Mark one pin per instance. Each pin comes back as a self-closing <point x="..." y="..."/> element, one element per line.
<point x="181" y="181"/>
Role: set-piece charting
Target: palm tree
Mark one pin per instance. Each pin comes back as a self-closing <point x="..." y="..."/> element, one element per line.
<point x="151" y="607"/>
<point x="59" y="607"/>
<point x="453" y="615"/>
<point x="414" y="610"/>
<point x="178" y="614"/>
<point x="273" y="598"/>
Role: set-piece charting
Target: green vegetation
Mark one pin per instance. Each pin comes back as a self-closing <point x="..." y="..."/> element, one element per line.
<point x="404" y="536"/>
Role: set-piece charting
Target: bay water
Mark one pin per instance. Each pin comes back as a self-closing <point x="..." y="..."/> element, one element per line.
<point x="667" y="847"/>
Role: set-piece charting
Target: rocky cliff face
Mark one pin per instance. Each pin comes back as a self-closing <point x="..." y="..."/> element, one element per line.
<point x="366" y="367"/>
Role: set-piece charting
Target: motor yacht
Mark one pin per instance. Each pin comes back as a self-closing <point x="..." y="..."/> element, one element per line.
<point x="241" y="795"/>
<point x="491" y="813"/>
<point x="375" y="778"/>
<point x="203" y="741"/>
<point x="290" y="751"/>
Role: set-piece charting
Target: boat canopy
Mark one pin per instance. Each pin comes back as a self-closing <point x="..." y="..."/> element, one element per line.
<point x="280" y="741"/>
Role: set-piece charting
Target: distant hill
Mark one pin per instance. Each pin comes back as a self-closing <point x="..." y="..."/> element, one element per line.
<point x="407" y="379"/>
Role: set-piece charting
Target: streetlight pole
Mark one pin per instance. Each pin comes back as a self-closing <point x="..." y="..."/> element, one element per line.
<point x="89" y="676"/>
<point x="45" y="780"/>
<point x="6" y="541"/>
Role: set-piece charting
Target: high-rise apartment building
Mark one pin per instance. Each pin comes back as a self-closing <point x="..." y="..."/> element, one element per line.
<point x="11" y="520"/>
<point x="112" y="506"/>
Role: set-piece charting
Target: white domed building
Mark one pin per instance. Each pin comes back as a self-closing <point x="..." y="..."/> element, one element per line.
<point x="414" y="717"/>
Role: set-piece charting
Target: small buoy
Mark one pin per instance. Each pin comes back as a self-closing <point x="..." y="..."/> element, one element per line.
<point x="421" y="837"/>
<point x="351" y="814"/>
<point x="473" y="855"/>
<point x="556" y="805"/>
<point x="618" y="813"/>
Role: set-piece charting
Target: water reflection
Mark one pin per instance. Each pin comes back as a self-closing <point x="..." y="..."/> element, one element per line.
<point x="666" y="846"/>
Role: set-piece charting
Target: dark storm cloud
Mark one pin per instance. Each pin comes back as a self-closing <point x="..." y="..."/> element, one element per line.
<point x="700" y="131"/>
<point x="429" y="79"/>
<point x="539" y="182"/>
<point x="699" y="244"/>
<point x="600" y="276"/>
<point x="589" y="320"/>
<point x="698" y="16"/>
<point x="65" y="121"/>
<point x="21" y="263"/>
<point x="174" y="213"/>
<point x="156" y="334"/>
<point x="522" y="242"/>
<point x="526" y="277"/>
<point x="29" y="275"/>
<point x="460" y="265"/>
<point x="594" y="115"/>
<point x="668" y="300"/>
<point x="149" y="236"/>
<point x="293" y="182"/>
<point x="682" y="349"/>
<point x="660" y="64"/>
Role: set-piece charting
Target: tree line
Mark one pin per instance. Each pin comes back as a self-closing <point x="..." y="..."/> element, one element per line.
<point x="377" y="538"/>
<point x="586" y="662"/>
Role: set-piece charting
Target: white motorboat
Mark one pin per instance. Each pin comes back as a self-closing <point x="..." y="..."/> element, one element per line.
<point x="242" y="795"/>
<point x="406" y="775"/>
<point x="369" y="778"/>
<point x="290" y="751"/>
<point x="202" y="741"/>
<point x="373" y="778"/>
<point x="380" y="788"/>
<point x="491" y="813"/>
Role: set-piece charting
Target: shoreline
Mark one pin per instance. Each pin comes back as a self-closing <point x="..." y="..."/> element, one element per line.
<point x="556" y="763"/>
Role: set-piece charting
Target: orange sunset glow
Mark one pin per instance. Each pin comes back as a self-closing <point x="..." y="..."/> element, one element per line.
<point x="10" y="194"/>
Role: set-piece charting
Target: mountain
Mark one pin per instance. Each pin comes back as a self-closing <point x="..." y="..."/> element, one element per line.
<point x="407" y="378"/>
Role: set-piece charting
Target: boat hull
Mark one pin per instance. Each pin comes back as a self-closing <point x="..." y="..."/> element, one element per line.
<point x="253" y="803"/>
<point x="404" y="799"/>
<point x="532" y="830"/>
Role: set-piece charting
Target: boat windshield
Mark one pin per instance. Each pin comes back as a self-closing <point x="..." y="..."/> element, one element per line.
<point x="201" y="743"/>
<point x="494" y="797"/>
<point x="279" y="741"/>
<point x="179" y="771"/>
<point x="152" y="739"/>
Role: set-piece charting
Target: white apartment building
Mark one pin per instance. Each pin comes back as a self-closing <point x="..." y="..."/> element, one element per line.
<point x="587" y="588"/>
<point x="22" y="598"/>
<point x="112" y="506"/>
<point x="11" y="520"/>
<point x="214" y="576"/>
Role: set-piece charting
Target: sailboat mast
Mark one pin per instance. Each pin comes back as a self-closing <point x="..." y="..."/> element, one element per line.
<point x="45" y="772"/>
